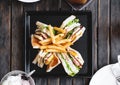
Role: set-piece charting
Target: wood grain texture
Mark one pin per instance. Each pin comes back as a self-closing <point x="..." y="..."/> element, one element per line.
<point x="29" y="7"/>
<point x="115" y="30"/>
<point x="53" y="5"/>
<point x="66" y="81"/>
<point x="17" y="35"/>
<point x="48" y="5"/>
<point x="53" y="81"/>
<point x="93" y="7"/>
<point x="65" y="6"/>
<point x="87" y="81"/>
<point x="5" y="32"/>
<point x="41" y="81"/>
<point x="103" y="32"/>
<point x="41" y="6"/>
<point x="79" y="81"/>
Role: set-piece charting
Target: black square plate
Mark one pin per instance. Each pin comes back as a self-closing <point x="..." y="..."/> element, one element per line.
<point x="83" y="45"/>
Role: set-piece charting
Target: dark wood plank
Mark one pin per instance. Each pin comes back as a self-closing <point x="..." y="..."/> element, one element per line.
<point x="66" y="81"/>
<point x="17" y="35"/>
<point x="53" y="81"/>
<point x="103" y="32"/>
<point x="79" y="81"/>
<point x="93" y="7"/>
<point x="5" y="34"/>
<point x="65" y="6"/>
<point x="41" y="6"/>
<point x="53" y="5"/>
<point x="115" y="30"/>
<point x="48" y="5"/>
<point x="29" y="7"/>
<point x="87" y="81"/>
<point x="41" y="81"/>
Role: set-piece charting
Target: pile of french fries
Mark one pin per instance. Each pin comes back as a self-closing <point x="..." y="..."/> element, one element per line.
<point x="55" y="43"/>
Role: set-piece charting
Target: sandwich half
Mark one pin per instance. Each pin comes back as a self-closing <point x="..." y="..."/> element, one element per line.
<point x="76" y="57"/>
<point x="74" y="30"/>
<point x="67" y="64"/>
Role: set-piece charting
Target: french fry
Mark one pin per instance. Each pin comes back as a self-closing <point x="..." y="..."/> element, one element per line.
<point x="49" y="40"/>
<point x="63" y="41"/>
<point x="61" y="48"/>
<point x="73" y="38"/>
<point x="51" y="33"/>
<point x="73" y="53"/>
<point x="46" y="41"/>
<point x="54" y="50"/>
<point x="67" y="44"/>
<point x="59" y="37"/>
<point x="59" y="29"/>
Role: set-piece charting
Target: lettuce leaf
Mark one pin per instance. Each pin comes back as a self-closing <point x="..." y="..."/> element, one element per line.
<point x="69" y="67"/>
<point x="71" y="22"/>
<point x="69" y="34"/>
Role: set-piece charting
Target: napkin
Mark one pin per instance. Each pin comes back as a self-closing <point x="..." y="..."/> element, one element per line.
<point x="107" y="75"/>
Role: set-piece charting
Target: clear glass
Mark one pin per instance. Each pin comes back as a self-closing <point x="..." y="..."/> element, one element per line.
<point x="79" y="6"/>
<point x="16" y="72"/>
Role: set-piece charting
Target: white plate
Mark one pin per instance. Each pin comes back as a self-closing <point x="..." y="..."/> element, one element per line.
<point x="28" y="1"/>
<point x="103" y="76"/>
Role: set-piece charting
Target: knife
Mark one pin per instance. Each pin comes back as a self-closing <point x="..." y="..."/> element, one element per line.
<point x="115" y="68"/>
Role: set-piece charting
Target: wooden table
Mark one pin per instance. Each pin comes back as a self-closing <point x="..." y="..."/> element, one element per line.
<point x="105" y="24"/>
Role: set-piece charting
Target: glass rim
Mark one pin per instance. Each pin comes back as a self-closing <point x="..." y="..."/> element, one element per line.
<point x="15" y="72"/>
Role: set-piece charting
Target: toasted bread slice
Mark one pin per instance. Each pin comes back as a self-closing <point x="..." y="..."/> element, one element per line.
<point x="54" y="63"/>
<point x="34" y="42"/>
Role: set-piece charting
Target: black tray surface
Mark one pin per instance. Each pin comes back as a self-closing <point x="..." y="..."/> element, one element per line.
<point x="83" y="45"/>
